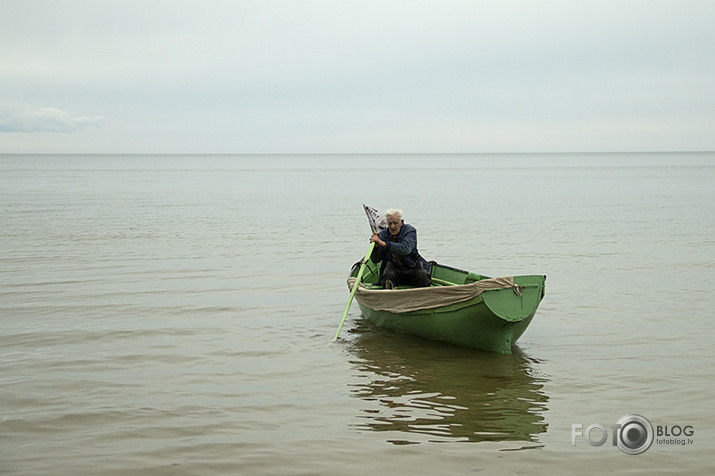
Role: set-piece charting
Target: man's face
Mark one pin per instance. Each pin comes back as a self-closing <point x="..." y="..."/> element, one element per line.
<point x="394" y="224"/>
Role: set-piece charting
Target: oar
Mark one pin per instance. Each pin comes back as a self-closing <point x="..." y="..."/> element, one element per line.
<point x="355" y="286"/>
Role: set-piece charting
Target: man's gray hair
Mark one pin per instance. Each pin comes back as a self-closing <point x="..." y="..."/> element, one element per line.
<point x="393" y="212"/>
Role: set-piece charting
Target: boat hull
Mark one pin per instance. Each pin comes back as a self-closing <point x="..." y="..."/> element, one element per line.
<point x="473" y="325"/>
<point x="494" y="320"/>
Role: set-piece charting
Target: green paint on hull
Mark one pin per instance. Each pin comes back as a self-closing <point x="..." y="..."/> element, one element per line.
<point x="493" y="321"/>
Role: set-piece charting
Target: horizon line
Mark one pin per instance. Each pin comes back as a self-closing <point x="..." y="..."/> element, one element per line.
<point x="374" y="153"/>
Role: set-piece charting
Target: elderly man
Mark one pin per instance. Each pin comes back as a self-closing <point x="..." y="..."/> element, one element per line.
<point x="396" y="247"/>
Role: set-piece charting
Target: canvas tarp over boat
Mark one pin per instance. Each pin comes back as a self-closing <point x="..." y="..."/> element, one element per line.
<point x="415" y="299"/>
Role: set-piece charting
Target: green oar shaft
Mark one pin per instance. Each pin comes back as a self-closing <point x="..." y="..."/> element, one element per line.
<point x="355" y="287"/>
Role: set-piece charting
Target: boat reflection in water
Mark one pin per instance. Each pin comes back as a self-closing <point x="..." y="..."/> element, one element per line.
<point x="427" y="391"/>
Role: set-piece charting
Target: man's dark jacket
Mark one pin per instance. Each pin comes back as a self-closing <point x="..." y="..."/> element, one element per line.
<point x="401" y="249"/>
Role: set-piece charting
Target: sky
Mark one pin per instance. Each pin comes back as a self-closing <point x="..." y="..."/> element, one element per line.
<point x="211" y="76"/>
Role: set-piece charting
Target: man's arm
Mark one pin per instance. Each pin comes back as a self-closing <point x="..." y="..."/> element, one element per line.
<point x="378" y="251"/>
<point x="407" y="243"/>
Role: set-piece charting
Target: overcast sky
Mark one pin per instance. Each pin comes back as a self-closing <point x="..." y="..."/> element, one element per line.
<point x="356" y="76"/>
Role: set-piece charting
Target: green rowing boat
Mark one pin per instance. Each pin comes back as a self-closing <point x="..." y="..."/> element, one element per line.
<point x="460" y="308"/>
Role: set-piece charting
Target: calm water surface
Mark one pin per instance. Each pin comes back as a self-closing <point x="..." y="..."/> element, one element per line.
<point x="173" y="314"/>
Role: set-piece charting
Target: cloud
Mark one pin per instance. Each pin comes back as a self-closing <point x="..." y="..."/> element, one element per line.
<point x="371" y="76"/>
<point x="26" y="118"/>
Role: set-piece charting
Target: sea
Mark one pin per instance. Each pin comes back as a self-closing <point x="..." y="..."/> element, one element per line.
<point x="175" y="315"/>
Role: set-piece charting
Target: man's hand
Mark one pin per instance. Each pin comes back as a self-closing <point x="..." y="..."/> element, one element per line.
<point x="375" y="238"/>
